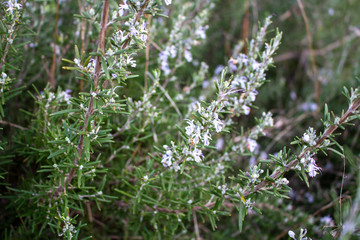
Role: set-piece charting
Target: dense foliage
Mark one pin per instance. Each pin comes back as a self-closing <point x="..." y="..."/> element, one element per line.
<point x="152" y="119"/>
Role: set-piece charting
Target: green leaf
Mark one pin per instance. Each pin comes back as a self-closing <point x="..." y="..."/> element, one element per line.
<point x="123" y="193"/>
<point x="65" y="112"/>
<point x="58" y="152"/>
<point x="77" y="54"/>
<point x="242" y="214"/>
<point x="105" y="68"/>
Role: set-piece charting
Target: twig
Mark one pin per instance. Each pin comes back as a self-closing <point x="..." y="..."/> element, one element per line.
<point x="147" y="53"/>
<point x="96" y="77"/>
<point x="52" y="74"/>
<point x="137" y="18"/>
<point x="13" y="125"/>
<point x="308" y="34"/>
<point x="11" y="36"/>
<point x="82" y="37"/>
<point x="196" y="226"/>
<point x="328" y="132"/>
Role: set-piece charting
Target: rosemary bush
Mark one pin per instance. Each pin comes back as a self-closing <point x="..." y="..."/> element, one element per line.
<point x="135" y="137"/>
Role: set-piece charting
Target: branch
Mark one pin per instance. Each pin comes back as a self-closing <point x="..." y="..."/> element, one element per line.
<point x="137" y="18"/>
<point x="52" y="73"/>
<point x="96" y="77"/>
<point x="328" y="132"/>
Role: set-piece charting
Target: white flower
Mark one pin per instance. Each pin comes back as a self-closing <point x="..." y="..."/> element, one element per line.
<point x="220" y="144"/>
<point x="207" y="138"/>
<point x="130" y="61"/>
<point x="191" y="128"/>
<point x="200" y="32"/>
<point x="92" y="12"/>
<point x="99" y="193"/>
<point x="291" y="234"/>
<point x="68" y="140"/>
<point x="246" y="109"/>
<point x="218" y="124"/>
<point x="223" y="189"/>
<point x="81" y="167"/>
<point x="13" y="4"/>
<point x="327" y="220"/>
<point x="243" y="59"/>
<point x="122" y="8"/>
<point x="197" y="154"/>
<point x="268" y="121"/>
<point x="251" y="145"/>
<point x="167" y="2"/>
<point x="77" y="62"/>
<point x="133" y="31"/>
<point x="167" y="157"/>
<point x="188" y="56"/>
<point x="310" y="136"/>
<point x="313" y="168"/>
<point x="145" y="178"/>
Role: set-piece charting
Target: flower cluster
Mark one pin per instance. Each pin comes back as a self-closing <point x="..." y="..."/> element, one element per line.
<point x="4" y="81"/>
<point x="181" y="40"/>
<point x="249" y="143"/>
<point x="302" y="235"/>
<point x="68" y="228"/>
<point x="249" y="71"/>
<point x="310" y="137"/>
<point x="13" y="5"/>
<point x="310" y="165"/>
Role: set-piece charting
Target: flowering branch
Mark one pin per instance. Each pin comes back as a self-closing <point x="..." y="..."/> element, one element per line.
<point x="96" y="77"/>
<point x="328" y="132"/>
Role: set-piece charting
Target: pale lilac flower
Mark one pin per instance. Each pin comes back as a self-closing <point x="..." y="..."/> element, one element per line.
<point x="207" y="138"/>
<point x="12" y="5"/>
<point x="167" y="2"/>
<point x="313" y="168"/>
<point x="310" y="137"/>
<point x="173" y="51"/>
<point x="223" y="188"/>
<point x="188" y="55"/>
<point x="239" y="82"/>
<point x="246" y="109"/>
<point x="133" y="31"/>
<point x="218" y="69"/>
<point x="191" y="128"/>
<point x="200" y="32"/>
<point x="242" y="59"/>
<point x="251" y="144"/>
<point x="130" y="61"/>
<point x="77" y="62"/>
<point x="197" y="134"/>
<point x="123" y="7"/>
<point x="143" y="37"/>
<point x="327" y="220"/>
<point x="167" y="157"/>
<point x="218" y="124"/>
<point x="291" y="234"/>
<point x="220" y="144"/>
<point x="197" y="154"/>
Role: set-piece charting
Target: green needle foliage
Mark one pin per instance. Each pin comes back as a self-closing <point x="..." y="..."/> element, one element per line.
<point x="136" y="137"/>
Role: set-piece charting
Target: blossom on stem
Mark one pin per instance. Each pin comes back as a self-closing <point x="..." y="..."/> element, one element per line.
<point x="12" y="5"/>
<point x="310" y="136"/>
